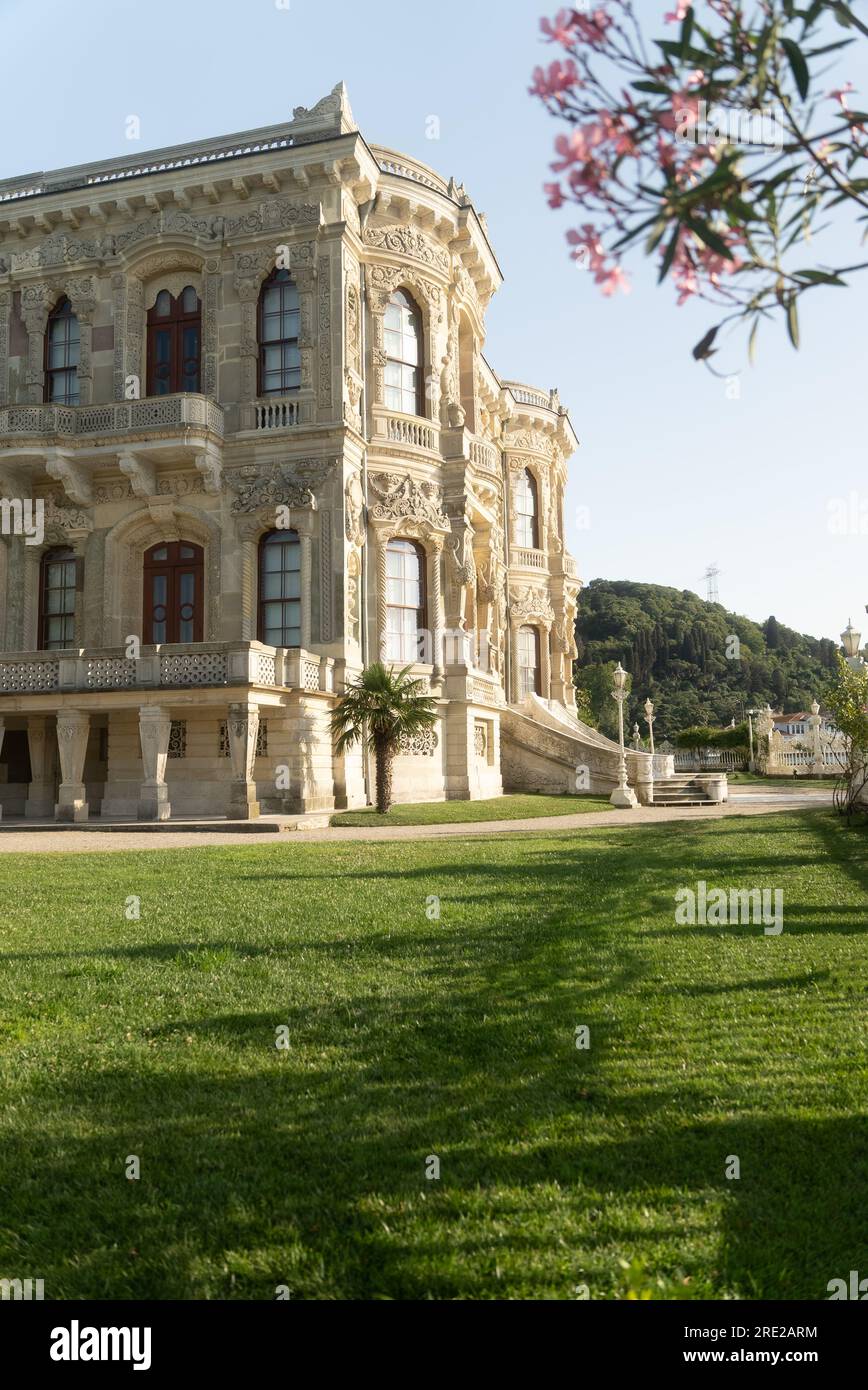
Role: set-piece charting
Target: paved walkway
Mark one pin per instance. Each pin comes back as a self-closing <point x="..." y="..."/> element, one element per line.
<point x="72" y="841"/>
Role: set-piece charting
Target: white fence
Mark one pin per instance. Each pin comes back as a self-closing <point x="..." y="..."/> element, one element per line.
<point x="709" y="760"/>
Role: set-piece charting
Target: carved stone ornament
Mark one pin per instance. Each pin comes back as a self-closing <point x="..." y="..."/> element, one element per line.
<point x="530" y="603"/>
<point x="274" y="487"/>
<point x="400" y="498"/>
<point x="406" y="241"/>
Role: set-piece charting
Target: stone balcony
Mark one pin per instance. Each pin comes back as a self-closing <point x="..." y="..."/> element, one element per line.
<point x="522" y="558"/>
<point x="83" y="425"/>
<point x="178" y="666"/>
<point x="412" y="434"/>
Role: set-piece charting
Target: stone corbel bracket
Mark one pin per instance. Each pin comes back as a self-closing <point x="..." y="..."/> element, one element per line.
<point x="141" y="473"/>
<point x="74" y="477"/>
<point x="211" y="468"/>
<point x="163" y="515"/>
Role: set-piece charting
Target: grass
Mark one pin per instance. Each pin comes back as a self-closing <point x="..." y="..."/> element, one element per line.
<point x="411" y="1035"/>
<point x="824" y="783"/>
<point x="455" y="812"/>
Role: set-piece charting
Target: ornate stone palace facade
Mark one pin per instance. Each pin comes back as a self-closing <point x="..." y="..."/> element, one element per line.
<point x="248" y="444"/>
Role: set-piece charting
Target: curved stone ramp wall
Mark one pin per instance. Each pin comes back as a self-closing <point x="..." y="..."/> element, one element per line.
<point x="544" y="747"/>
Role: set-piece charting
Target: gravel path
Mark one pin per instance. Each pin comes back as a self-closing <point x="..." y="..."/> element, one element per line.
<point x="75" y="841"/>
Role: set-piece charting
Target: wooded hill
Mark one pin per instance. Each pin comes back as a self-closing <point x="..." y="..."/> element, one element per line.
<point x="679" y="649"/>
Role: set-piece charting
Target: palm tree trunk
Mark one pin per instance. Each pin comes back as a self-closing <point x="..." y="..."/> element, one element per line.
<point x="383" y="769"/>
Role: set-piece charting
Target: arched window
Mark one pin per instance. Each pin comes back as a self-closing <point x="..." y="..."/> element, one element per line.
<point x="402" y="327"/>
<point x="526" y="511"/>
<point x="57" y="600"/>
<point x="405" y="601"/>
<point x="279" y="314"/>
<point x="61" y="355"/>
<point x="174" y="343"/>
<point x="280" y="589"/>
<point x="528" y="662"/>
<point x="173" y="584"/>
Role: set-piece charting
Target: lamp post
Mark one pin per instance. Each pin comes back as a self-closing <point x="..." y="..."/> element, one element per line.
<point x="649" y="719"/>
<point x="623" y="796"/>
<point x="750" y="714"/>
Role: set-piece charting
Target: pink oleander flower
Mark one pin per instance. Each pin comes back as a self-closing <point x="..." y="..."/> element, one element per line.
<point x="840" y="95"/>
<point x="554" y="195"/>
<point x="559" y="78"/>
<point x="613" y="279"/>
<point x="588" y="250"/>
<point x="679" y="14"/>
<point x="592" y="28"/>
<point x="561" y="29"/>
<point x="577" y="147"/>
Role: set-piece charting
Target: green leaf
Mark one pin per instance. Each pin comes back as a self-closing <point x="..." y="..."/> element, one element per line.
<point x="751" y="342"/>
<point x="669" y="255"/>
<point x="686" y="31"/>
<point x="793" y="321"/>
<point x="709" y="236"/>
<point x="800" y="68"/>
<point x="659" y="88"/>
<point x="820" y="277"/>
<point x="701" y="351"/>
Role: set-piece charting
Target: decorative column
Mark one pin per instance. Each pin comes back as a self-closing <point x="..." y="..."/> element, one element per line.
<point x="513" y="662"/>
<point x="73" y="727"/>
<point x="243" y="727"/>
<point x="435" y="545"/>
<point x="40" y="793"/>
<point x="305" y="590"/>
<point x="248" y="279"/>
<point x="815" y="721"/>
<point x="382" y="540"/>
<point x="546" y="662"/>
<point x="35" y="320"/>
<point x="155" y="726"/>
<point x="2" y="736"/>
<point x="623" y="796"/>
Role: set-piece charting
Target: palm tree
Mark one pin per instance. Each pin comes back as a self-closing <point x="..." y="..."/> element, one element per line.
<point x="381" y="707"/>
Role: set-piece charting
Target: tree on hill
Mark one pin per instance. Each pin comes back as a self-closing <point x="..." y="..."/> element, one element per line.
<point x="700" y="664"/>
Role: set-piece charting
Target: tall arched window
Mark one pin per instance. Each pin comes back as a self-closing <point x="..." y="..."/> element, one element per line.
<point x="528" y="662"/>
<point x="280" y="589"/>
<point x="57" y="600"/>
<point x="173" y="585"/>
<point x="61" y="355"/>
<point x="402" y="327"/>
<point x="405" y="601"/>
<point x="174" y="343"/>
<point x="526" y="511"/>
<point x="279" y="315"/>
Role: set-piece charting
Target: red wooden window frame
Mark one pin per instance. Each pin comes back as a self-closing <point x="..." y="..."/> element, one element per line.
<point x="171" y="568"/>
<point x="176" y="323"/>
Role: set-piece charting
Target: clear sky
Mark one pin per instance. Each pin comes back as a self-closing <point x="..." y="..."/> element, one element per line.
<point x="673" y="473"/>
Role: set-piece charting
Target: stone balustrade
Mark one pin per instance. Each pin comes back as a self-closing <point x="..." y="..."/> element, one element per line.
<point x="521" y="558"/>
<point x="152" y="413"/>
<point x="175" y="666"/>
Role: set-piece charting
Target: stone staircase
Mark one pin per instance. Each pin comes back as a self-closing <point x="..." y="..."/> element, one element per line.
<point x="684" y="789"/>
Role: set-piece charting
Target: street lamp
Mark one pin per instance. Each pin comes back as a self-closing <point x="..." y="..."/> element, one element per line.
<point x="623" y="796"/>
<point x="650" y="717"/>
<point x="750" y="714"/>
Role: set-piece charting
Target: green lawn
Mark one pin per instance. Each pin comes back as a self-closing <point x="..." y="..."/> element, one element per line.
<point x="775" y="782"/>
<point x="498" y="808"/>
<point x="411" y="1037"/>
